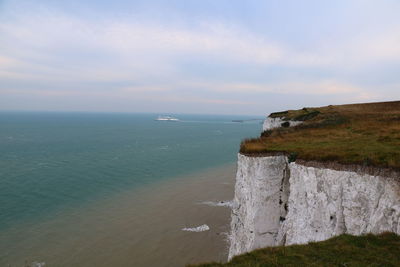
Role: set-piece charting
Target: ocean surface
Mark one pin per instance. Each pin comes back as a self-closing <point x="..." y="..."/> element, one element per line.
<point x="99" y="189"/>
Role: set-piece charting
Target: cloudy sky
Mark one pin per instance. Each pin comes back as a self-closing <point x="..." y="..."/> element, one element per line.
<point x="200" y="56"/>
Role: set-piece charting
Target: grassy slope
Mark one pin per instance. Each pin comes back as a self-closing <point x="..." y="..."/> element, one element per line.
<point x="367" y="134"/>
<point x="344" y="250"/>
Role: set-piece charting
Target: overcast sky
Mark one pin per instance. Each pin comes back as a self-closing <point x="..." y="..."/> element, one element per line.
<point x="204" y="56"/>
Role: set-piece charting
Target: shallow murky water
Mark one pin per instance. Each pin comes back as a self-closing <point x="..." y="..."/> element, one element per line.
<point x="142" y="227"/>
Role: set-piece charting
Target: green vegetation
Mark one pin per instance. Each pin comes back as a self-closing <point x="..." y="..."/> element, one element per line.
<point x="344" y="250"/>
<point x="367" y="134"/>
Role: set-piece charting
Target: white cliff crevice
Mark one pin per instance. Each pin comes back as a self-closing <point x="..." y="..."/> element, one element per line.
<point x="281" y="203"/>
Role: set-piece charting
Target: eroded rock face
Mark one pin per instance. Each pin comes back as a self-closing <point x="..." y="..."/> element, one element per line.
<point x="259" y="203"/>
<point x="277" y="203"/>
<point x="272" y="123"/>
<point x="324" y="203"/>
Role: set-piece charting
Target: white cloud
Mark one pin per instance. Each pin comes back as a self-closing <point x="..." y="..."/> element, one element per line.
<point x="133" y="41"/>
<point x="142" y="48"/>
<point x="315" y="87"/>
<point x="53" y="48"/>
<point x="362" y="50"/>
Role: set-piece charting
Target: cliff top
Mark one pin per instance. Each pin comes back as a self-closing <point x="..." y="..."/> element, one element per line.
<point x="344" y="250"/>
<point x="366" y="134"/>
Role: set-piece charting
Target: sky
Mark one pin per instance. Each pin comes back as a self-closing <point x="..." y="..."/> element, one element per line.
<point x="203" y="56"/>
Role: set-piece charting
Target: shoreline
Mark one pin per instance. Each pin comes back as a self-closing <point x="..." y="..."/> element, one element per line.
<point x="138" y="227"/>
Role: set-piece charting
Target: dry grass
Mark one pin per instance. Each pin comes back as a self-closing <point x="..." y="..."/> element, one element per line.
<point x="344" y="250"/>
<point x="367" y="134"/>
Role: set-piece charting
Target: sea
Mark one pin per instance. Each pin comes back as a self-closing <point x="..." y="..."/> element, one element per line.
<point x="117" y="189"/>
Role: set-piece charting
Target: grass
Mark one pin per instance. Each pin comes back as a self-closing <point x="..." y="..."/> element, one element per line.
<point x="344" y="250"/>
<point x="367" y="134"/>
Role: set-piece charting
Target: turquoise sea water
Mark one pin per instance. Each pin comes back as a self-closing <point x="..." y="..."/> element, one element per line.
<point x="50" y="162"/>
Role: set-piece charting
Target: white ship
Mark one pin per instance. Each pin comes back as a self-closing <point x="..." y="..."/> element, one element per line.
<point x="166" y="118"/>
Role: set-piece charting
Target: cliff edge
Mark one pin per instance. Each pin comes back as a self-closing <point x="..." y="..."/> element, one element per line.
<point x="316" y="173"/>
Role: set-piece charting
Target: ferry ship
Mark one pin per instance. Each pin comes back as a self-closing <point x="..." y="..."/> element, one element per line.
<point x="166" y="118"/>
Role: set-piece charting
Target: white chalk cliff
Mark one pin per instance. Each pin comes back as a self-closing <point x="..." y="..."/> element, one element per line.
<point x="272" y="123"/>
<point x="282" y="203"/>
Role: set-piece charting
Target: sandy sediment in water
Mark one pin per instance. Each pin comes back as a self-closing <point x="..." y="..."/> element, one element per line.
<point x="142" y="227"/>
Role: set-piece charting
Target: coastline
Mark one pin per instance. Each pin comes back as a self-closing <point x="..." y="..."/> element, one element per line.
<point x="137" y="228"/>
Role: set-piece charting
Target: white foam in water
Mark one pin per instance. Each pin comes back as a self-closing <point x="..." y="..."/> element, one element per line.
<point x="218" y="204"/>
<point x="200" y="228"/>
<point x="38" y="264"/>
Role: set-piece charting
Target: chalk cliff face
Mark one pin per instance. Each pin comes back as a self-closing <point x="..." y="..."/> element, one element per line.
<point x="281" y="203"/>
<point x="324" y="203"/>
<point x="272" y="123"/>
<point x="259" y="203"/>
